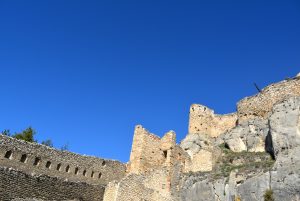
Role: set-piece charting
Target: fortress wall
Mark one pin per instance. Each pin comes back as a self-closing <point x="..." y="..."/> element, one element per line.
<point x="33" y="158"/>
<point x="203" y="120"/>
<point x="16" y="184"/>
<point x="261" y="104"/>
<point x="151" y="186"/>
<point x="145" y="152"/>
<point x="150" y="152"/>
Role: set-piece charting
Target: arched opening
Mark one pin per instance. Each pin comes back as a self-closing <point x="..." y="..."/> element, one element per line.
<point x="36" y="161"/>
<point x="165" y="154"/>
<point x="58" y="167"/>
<point x="103" y="163"/>
<point x="76" y="170"/>
<point x="84" y="173"/>
<point x="48" y="164"/>
<point x="23" y="158"/>
<point x="100" y="175"/>
<point x="92" y="174"/>
<point x="8" y="155"/>
<point x="68" y="168"/>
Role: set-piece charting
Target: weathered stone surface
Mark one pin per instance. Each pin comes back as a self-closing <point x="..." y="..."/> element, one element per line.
<point x="204" y="190"/>
<point x="284" y="125"/>
<point x="248" y="136"/>
<point x="284" y="130"/>
<point x="204" y="121"/>
<point x="41" y="159"/>
<point x="193" y="143"/>
<point x="254" y="188"/>
<point x="16" y="184"/>
<point x="261" y="104"/>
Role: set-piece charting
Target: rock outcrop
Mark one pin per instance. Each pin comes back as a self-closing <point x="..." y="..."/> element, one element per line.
<point x="280" y="136"/>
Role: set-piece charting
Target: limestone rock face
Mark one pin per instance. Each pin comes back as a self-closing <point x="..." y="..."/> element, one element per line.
<point x="200" y="149"/>
<point x="279" y="135"/>
<point x="284" y="125"/>
<point x="193" y="143"/>
<point x="204" y="190"/>
<point x="284" y="130"/>
<point x="248" y="136"/>
<point x="254" y="188"/>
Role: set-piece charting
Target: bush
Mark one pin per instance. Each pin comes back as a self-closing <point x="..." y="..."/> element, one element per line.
<point x="268" y="196"/>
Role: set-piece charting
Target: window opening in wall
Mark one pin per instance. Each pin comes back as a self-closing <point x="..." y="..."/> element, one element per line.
<point x="92" y="175"/>
<point x="84" y="172"/>
<point x="103" y="163"/>
<point x="100" y="175"/>
<point x="67" y="168"/>
<point x="165" y="154"/>
<point x="36" y="161"/>
<point x="23" y="158"/>
<point x="58" y="167"/>
<point x="48" y="164"/>
<point x="8" y="155"/>
<point x="76" y="170"/>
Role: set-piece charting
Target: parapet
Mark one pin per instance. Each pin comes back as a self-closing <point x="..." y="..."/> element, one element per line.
<point x="203" y="120"/>
<point x="36" y="159"/>
<point x="260" y="105"/>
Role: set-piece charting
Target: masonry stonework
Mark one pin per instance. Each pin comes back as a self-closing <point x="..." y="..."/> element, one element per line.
<point x="260" y="105"/>
<point x="17" y="184"/>
<point x="204" y="121"/>
<point x="33" y="158"/>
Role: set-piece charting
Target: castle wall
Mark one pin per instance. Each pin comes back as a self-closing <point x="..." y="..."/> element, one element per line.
<point x="260" y="105"/>
<point x="201" y="162"/>
<point x="33" y="158"/>
<point x="16" y="184"/>
<point x="145" y="151"/>
<point x="203" y="120"/>
<point x="150" y="152"/>
<point x="151" y="186"/>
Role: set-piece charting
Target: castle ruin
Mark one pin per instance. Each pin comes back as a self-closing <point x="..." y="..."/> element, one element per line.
<point x="219" y="159"/>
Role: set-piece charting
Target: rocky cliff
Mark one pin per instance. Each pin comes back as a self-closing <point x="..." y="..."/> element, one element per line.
<point x="258" y="158"/>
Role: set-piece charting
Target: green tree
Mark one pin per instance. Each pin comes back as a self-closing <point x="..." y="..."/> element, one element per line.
<point x="26" y="135"/>
<point x="47" y="143"/>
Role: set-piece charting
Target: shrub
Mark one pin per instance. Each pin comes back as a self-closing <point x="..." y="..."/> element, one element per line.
<point x="268" y="196"/>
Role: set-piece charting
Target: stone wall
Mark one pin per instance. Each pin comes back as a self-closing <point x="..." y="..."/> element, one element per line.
<point x="16" y="184"/>
<point x="154" y="169"/>
<point x="153" y="185"/>
<point x="150" y="152"/>
<point x="260" y="105"/>
<point x="33" y="158"/>
<point x="203" y="120"/>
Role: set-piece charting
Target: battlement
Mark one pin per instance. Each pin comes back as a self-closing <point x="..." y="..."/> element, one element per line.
<point x="203" y="120"/>
<point x="35" y="159"/>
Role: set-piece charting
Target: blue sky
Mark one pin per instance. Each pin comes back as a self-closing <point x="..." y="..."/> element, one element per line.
<point x="86" y="72"/>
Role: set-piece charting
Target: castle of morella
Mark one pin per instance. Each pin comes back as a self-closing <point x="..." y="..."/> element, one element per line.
<point x="252" y="154"/>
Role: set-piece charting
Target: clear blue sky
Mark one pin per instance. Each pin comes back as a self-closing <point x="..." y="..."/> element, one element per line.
<point x="86" y="72"/>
